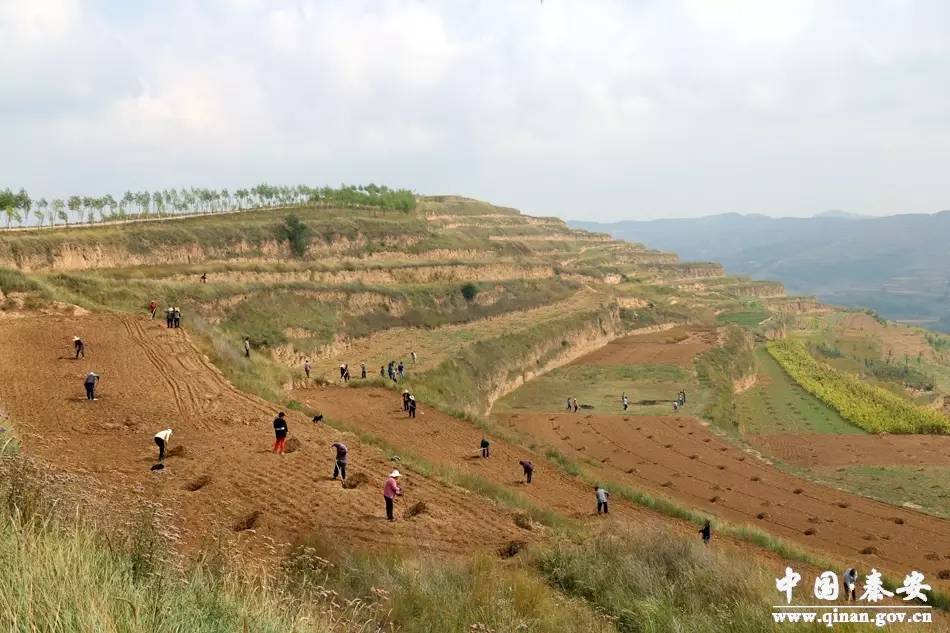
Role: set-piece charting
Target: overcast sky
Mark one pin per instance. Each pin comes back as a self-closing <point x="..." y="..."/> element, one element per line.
<point x="582" y="109"/>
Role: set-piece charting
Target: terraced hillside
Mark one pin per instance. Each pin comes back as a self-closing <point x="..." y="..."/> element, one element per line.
<point x="496" y="318"/>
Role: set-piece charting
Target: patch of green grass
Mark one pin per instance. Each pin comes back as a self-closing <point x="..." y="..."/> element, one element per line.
<point x="777" y="404"/>
<point x="745" y="318"/>
<point x="601" y="386"/>
<point x="648" y="579"/>
<point x="923" y="487"/>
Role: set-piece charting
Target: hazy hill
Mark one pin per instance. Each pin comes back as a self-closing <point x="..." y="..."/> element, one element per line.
<point x="898" y="265"/>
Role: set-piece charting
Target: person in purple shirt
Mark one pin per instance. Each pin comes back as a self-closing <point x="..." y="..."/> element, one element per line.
<point x="340" y="468"/>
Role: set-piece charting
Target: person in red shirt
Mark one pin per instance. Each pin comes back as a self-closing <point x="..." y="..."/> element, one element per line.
<point x="390" y="491"/>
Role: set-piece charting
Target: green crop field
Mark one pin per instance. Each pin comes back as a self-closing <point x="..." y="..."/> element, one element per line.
<point x="777" y="404"/>
<point x="872" y="408"/>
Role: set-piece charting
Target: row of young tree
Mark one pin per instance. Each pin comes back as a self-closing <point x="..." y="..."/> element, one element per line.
<point x="20" y="209"/>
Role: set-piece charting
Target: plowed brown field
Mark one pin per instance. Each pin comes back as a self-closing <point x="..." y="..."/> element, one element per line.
<point x="153" y="378"/>
<point x="680" y="458"/>
<point x="823" y="449"/>
<point x="676" y="346"/>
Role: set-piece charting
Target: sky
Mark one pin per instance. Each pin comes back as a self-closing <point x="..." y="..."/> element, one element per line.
<point x="587" y="109"/>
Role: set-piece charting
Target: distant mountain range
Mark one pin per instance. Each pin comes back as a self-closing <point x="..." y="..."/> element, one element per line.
<point x="897" y="265"/>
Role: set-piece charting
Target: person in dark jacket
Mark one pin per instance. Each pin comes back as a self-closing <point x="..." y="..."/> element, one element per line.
<point x="412" y="406"/>
<point x="706" y="531"/>
<point x="405" y="400"/>
<point x="280" y="433"/>
<point x="90" y="383"/>
<point x="340" y="468"/>
<point x="528" y="466"/>
<point x="170" y="318"/>
<point x="177" y="320"/>
<point x="80" y="347"/>
<point x="485" y="446"/>
<point x="363" y="371"/>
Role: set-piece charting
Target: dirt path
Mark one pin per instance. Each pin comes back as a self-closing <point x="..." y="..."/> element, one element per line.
<point x="153" y="378"/>
<point x="680" y="458"/>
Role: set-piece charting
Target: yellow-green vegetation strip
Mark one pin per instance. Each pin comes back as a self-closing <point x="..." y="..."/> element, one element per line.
<point x="872" y="408"/>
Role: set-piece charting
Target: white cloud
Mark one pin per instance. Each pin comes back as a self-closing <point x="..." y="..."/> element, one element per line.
<point x="602" y="107"/>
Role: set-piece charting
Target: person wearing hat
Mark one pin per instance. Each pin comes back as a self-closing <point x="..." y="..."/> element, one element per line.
<point x="412" y="406"/>
<point x="177" y="316"/>
<point x="80" y="347"/>
<point x="390" y="491"/>
<point x="280" y="433"/>
<point x="91" y="381"/>
<point x="169" y="317"/>
<point x="161" y="439"/>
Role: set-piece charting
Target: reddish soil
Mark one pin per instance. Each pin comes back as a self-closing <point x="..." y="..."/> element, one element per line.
<point x="449" y="442"/>
<point x="677" y="346"/>
<point x="153" y="378"/>
<point x="855" y="450"/>
<point x="680" y="458"/>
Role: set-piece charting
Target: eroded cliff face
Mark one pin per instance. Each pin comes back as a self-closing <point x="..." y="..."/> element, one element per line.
<point x="685" y="271"/>
<point x="759" y="290"/>
<point x="797" y="305"/>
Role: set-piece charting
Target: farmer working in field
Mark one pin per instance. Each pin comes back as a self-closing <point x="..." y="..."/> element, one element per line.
<point x="706" y="531"/>
<point x="850" y="581"/>
<point x="306" y="367"/>
<point x="340" y="468"/>
<point x="161" y="439"/>
<point x="625" y="401"/>
<point x="247" y="347"/>
<point x="412" y="406"/>
<point x="152" y="309"/>
<point x="602" y="496"/>
<point x="79" y="346"/>
<point x="280" y="433"/>
<point x="528" y="466"/>
<point x="363" y="371"/>
<point x="177" y="321"/>
<point x="91" y="381"/>
<point x="170" y="317"/>
<point x="405" y="399"/>
<point x="390" y="491"/>
<point x="484" y="446"/>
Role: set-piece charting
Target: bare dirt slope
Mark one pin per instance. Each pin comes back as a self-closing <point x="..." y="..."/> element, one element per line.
<point x="678" y="457"/>
<point x="153" y="378"/>
<point x="676" y="346"/>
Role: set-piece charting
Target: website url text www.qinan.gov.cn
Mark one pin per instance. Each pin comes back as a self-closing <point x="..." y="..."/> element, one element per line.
<point x="833" y="616"/>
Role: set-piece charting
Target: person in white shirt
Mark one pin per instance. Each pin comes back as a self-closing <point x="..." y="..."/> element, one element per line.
<point x="161" y="438"/>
